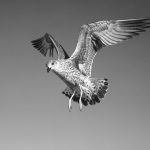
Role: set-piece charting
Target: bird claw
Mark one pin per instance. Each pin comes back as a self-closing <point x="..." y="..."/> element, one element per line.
<point x="70" y="106"/>
<point x="80" y="106"/>
<point x="70" y="100"/>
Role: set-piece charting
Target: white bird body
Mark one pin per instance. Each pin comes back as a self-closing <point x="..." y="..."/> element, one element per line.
<point x="75" y="71"/>
<point x="71" y="76"/>
<point x="66" y="70"/>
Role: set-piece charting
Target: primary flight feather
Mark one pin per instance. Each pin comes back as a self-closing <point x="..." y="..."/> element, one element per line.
<point x="75" y="70"/>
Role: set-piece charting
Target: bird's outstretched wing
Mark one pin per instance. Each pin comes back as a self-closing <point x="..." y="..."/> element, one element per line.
<point x="47" y="42"/>
<point x="96" y="35"/>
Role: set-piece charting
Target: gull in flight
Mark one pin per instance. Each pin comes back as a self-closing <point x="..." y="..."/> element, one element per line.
<point x="75" y="70"/>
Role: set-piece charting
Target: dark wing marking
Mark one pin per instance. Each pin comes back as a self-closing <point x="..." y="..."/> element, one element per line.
<point x="96" y="35"/>
<point x="47" y="42"/>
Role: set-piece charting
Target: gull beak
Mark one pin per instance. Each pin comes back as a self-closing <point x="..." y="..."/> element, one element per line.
<point x="48" y="69"/>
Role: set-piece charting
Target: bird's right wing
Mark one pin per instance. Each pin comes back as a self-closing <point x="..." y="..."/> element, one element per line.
<point x="96" y="35"/>
<point x="47" y="42"/>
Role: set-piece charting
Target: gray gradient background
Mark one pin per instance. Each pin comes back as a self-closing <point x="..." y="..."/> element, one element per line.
<point x="34" y="114"/>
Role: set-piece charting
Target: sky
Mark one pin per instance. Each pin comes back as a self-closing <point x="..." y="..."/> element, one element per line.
<point x="34" y="114"/>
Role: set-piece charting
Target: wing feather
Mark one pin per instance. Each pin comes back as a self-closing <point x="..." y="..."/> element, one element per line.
<point x="101" y="34"/>
<point x="47" y="42"/>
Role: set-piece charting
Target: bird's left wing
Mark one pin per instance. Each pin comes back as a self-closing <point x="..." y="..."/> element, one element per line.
<point x="96" y="35"/>
<point x="84" y="52"/>
<point x="47" y="42"/>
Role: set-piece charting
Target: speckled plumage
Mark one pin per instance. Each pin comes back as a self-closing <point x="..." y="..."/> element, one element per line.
<point x="73" y="78"/>
<point x="75" y="71"/>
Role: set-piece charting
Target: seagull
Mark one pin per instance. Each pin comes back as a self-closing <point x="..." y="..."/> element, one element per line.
<point x="75" y="70"/>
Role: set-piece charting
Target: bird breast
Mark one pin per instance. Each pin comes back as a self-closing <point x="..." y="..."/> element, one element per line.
<point x="68" y="72"/>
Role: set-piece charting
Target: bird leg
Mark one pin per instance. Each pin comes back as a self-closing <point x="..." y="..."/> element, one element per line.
<point x="70" y="106"/>
<point x="80" y="101"/>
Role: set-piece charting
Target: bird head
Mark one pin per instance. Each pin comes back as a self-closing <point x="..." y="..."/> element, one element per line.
<point x="51" y="65"/>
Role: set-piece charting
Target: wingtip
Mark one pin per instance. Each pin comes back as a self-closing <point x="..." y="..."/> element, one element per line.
<point x="37" y="44"/>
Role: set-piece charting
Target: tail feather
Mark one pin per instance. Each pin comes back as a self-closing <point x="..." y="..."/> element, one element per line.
<point x="68" y="92"/>
<point x="100" y="89"/>
<point x="100" y="86"/>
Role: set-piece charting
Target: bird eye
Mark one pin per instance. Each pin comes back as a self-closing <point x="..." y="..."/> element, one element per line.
<point x="53" y="63"/>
